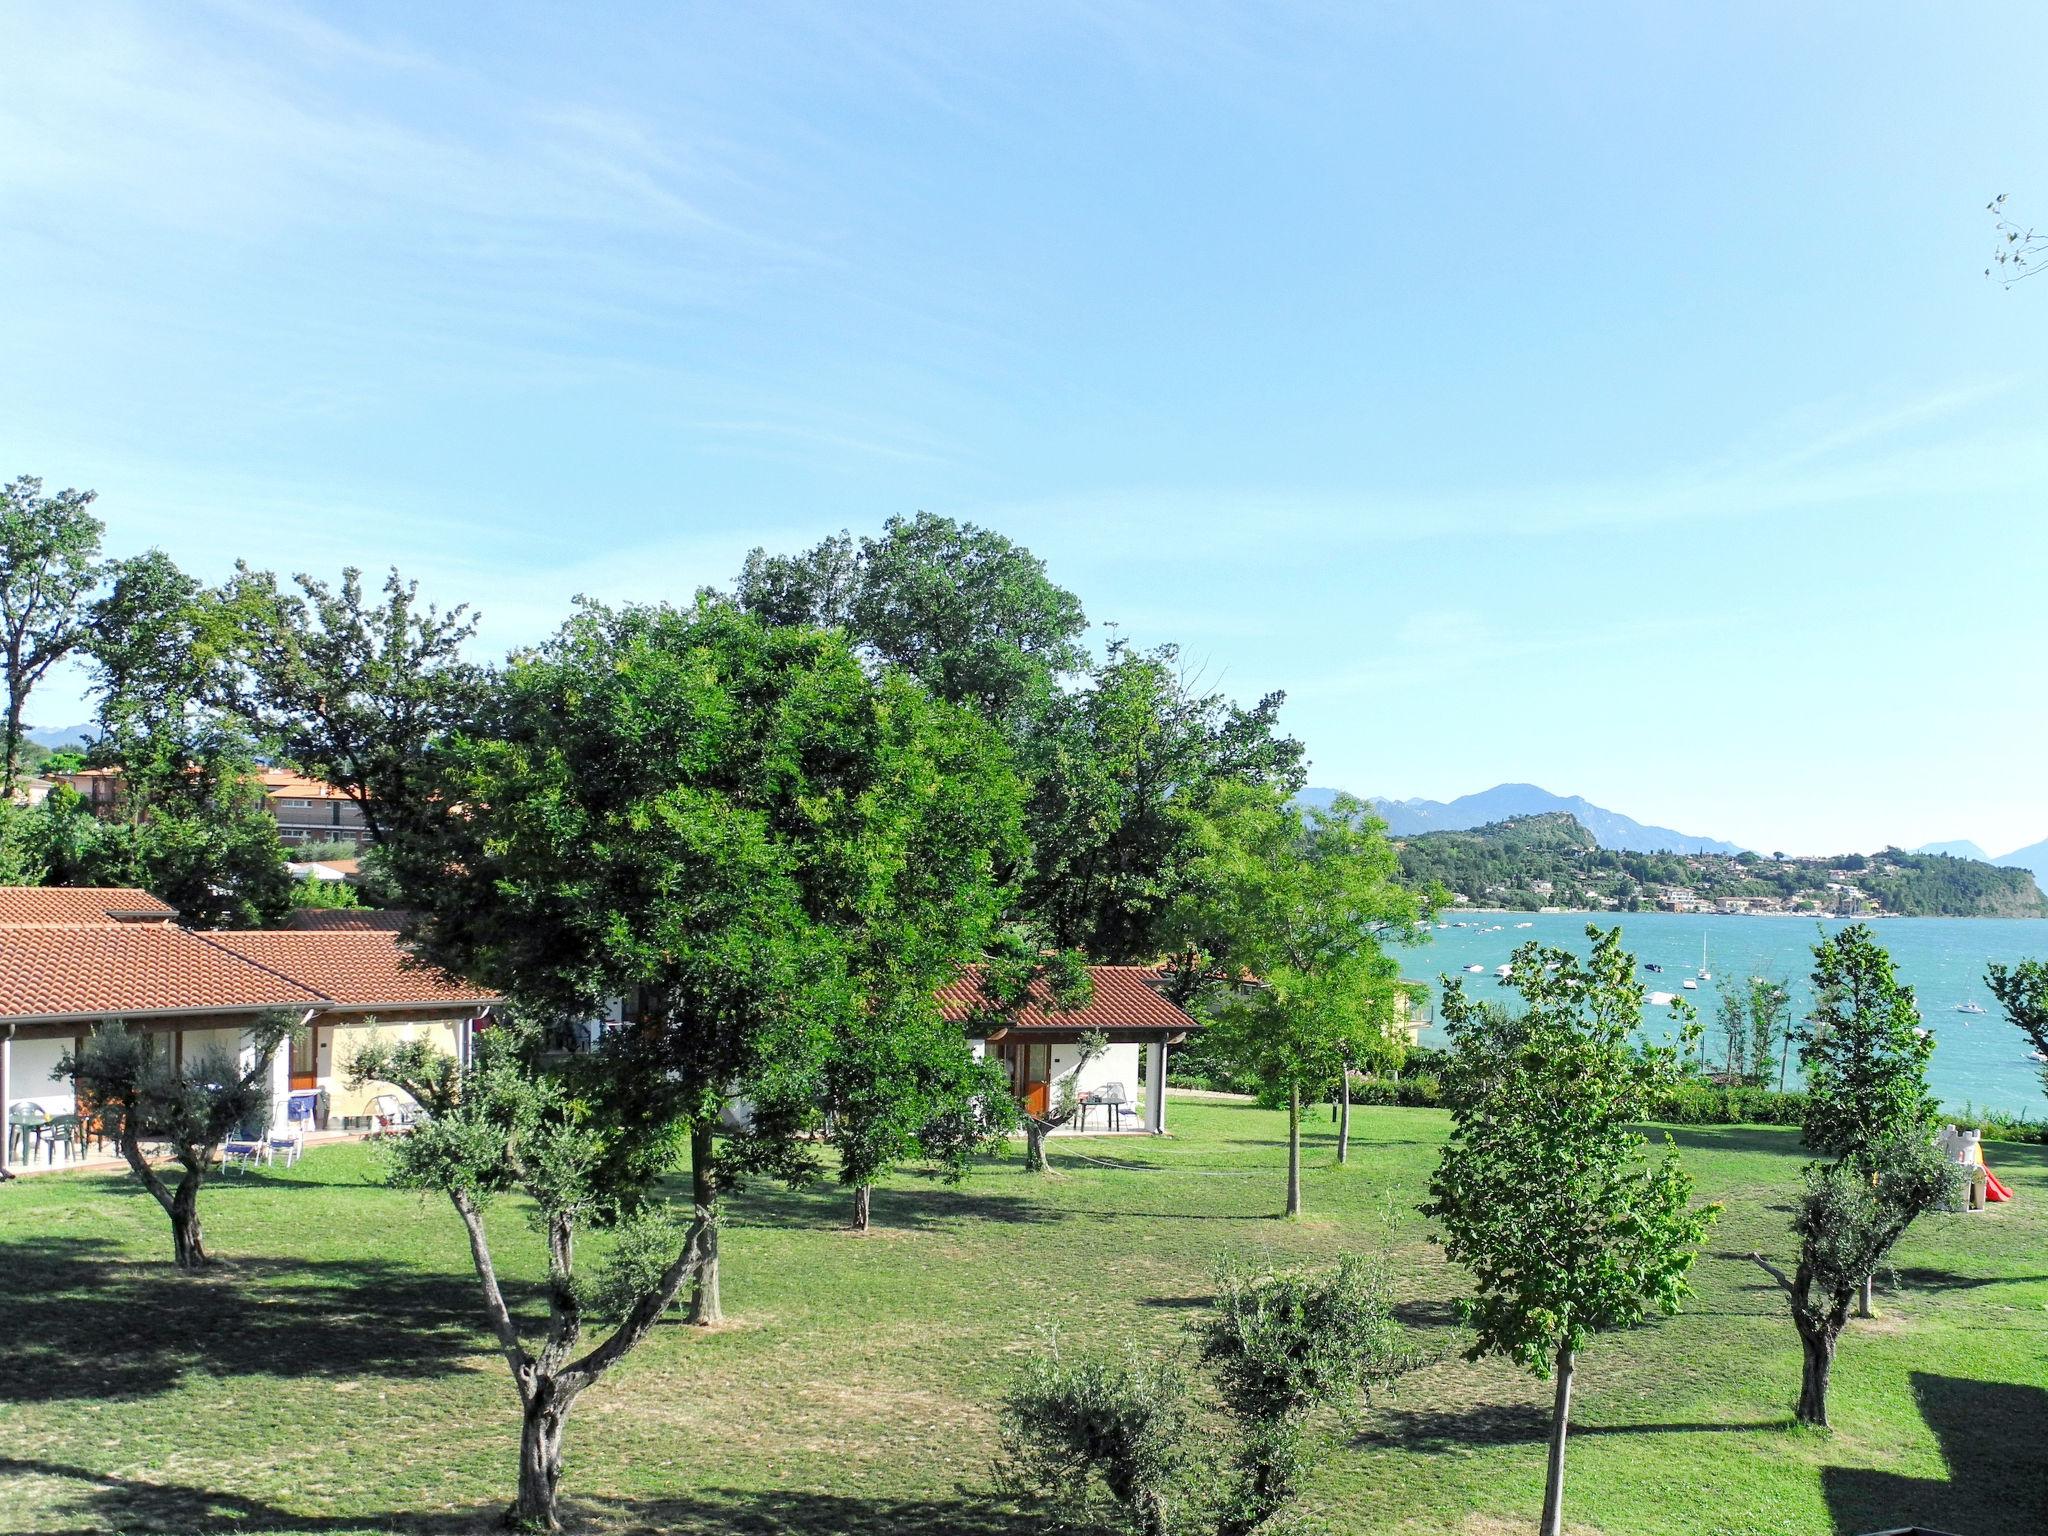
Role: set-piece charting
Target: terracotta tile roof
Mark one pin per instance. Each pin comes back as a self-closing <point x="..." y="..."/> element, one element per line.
<point x="344" y="920"/>
<point x="282" y="782"/>
<point x="31" y="904"/>
<point x="111" y="970"/>
<point x="353" y="968"/>
<point x="1126" y="998"/>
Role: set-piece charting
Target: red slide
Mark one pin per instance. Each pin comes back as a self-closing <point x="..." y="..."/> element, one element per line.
<point x="1993" y="1190"/>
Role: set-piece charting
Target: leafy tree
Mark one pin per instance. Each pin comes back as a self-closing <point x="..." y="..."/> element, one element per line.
<point x="1847" y="1222"/>
<point x="1543" y="1190"/>
<point x="1116" y="1444"/>
<point x="714" y="820"/>
<point x="1115" y="769"/>
<point x="49" y="566"/>
<point x="508" y="1126"/>
<point x="2022" y="991"/>
<point x="961" y="608"/>
<point x="1303" y="904"/>
<point x="354" y="689"/>
<point x="1864" y="1058"/>
<point x="192" y="1108"/>
<point x="1755" y="1015"/>
<point x="326" y="894"/>
<point x="199" y="833"/>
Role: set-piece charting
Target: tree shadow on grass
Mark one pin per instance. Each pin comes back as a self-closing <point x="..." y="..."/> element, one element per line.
<point x="1997" y="1482"/>
<point x="1783" y="1140"/>
<point x="87" y="1323"/>
<point x="1916" y="1277"/>
<point x="917" y="1209"/>
<point x="100" y="1502"/>
<point x="1445" y="1429"/>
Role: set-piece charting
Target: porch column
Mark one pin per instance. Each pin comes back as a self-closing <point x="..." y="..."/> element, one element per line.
<point x="6" y="1093"/>
<point x="1155" y="1087"/>
<point x="281" y="1084"/>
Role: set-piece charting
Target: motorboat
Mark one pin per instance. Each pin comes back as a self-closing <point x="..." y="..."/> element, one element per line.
<point x="1690" y="985"/>
<point x="1651" y="965"/>
<point x="1503" y="970"/>
<point x="1476" y="970"/>
<point x="1969" y="1007"/>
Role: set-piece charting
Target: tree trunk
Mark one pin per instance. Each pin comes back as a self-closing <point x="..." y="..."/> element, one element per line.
<point x="15" y="700"/>
<point x="187" y="1237"/>
<point x="707" y="1306"/>
<point x="540" y="1460"/>
<point x="860" y="1208"/>
<point x="1560" y="1424"/>
<point x="1034" y="1147"/>
<point x="1819" y="1358"/>
<point x="1294" y="1150"/>
<point x="1344" y="1123"/>
<point x="1863" y="1306"/>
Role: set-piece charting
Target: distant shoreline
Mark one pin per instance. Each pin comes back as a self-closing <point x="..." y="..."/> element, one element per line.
<point x="1859" y="917"/>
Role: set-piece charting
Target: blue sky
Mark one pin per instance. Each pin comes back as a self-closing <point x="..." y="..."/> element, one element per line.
<point x="1607" y="399"/>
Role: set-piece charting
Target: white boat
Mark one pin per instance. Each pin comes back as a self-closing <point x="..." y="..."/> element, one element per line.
<point x="1476" y="970"/>
<point x="1690" y="985"/>
<point x="1969" y="1008"/>
<point x="1503" y="970"/>
<point x="1663" y="999"/>
<point x="1525" y="925"/>
<point x="1705" y="974"/>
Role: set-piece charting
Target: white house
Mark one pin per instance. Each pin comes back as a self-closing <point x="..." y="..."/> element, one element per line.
<point x="1042" y="1047"/>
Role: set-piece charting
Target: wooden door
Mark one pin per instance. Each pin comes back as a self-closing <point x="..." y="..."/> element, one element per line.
<point x="1030" y="1075"/>
<point x="305" y="1058"/>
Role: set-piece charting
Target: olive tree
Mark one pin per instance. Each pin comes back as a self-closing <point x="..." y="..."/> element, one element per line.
<point x="190" y="1107"/>
<point x="1121" y="1443"/>
<point x="1543" y="1190"/>
<point x="1847" y="1221"/>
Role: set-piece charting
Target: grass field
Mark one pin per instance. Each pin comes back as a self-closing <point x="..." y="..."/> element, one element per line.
<point x="331" y="1377"/>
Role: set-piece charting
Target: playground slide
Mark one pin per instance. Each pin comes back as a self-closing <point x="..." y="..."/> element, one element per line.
<point x="1993" y="1190"/>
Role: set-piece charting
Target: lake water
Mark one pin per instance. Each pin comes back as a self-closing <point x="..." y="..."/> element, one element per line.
<point x="1978" y="1058"/>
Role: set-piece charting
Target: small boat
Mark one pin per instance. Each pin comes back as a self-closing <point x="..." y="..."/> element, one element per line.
<point x="1705" y="974"/>
<point x="1690" y="985"/>
<point x="1476" y="970"/>
<point x="1525" y="925"/>
<point x="1969" y="1008"/>
<point x="1651" y="965"/>
<point x="1663" y="999"/>
<point x="1503" y="970"/>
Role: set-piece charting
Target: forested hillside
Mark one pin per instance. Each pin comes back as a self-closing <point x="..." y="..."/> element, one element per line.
<point x="1552" y="861"/>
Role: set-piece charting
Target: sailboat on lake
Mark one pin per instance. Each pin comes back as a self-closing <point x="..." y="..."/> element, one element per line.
<point x="1705" y="974"/>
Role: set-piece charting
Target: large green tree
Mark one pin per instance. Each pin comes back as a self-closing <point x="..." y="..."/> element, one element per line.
<point x="49" y="567"/>
<point x="969" y="613"/>
<point x="1864" y="1059"/>
<point x="1543" y="1191"/>
<point x="353" y="687"/>
<point x="721" y="822"/>
<point x="1293" y="911"/>
<point x="1116" y="768"/>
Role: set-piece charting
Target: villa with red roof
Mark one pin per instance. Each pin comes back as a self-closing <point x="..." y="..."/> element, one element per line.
<point x="1041" y="1047"/>
<point x="72" y="959"/>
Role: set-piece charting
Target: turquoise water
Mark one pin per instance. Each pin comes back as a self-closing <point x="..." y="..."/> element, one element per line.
<point x="1978" y="1058"/>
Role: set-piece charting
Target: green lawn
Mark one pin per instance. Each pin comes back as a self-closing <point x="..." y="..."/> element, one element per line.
<point x="331" y="1377"/>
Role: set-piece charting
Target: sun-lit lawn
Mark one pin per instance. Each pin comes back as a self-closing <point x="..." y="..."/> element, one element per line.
<point x="331" y="1377"/>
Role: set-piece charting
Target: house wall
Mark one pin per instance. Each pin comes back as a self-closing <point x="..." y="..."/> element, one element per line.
<point x="29" y="1080"/>
<point x="339" y="1043"/>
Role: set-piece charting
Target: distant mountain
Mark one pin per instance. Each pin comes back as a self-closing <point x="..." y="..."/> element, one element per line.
<point x="54" y="736"/>
<point x="1504" y="802"/>
<point x="1961" y="848"/>
<point x="2034" y="856"/>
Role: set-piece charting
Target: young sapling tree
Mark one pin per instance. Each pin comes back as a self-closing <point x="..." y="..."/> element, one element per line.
<point x="1543" y="1190"/>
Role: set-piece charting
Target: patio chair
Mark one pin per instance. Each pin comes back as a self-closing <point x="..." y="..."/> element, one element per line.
<point x="244" y="1152"/>
<point x="286" y="1145"/>
<point x="1115" y="1098"/>
<point x="68" y="1132"/>
<point x="393" y="1111"/>
<point x="25" y="1124"/>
